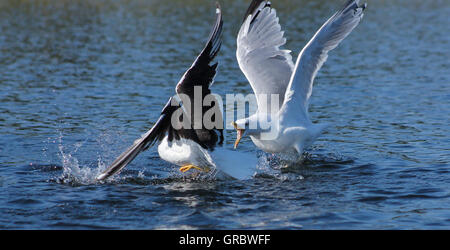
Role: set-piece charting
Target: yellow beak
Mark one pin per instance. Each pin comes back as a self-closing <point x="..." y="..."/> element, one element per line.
<point x="239" y="133"/>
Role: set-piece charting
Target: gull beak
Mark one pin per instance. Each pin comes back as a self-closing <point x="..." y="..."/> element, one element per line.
<point x="239" y="133"/>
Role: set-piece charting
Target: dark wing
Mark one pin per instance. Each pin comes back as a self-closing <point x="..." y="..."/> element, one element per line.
<point x="195" y="84"/>
<point x="156" y="133"/>
<point x="199" y="74"/>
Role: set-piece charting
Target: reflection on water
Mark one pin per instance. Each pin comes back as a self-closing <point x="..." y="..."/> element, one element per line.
<point x="81" y="80"/>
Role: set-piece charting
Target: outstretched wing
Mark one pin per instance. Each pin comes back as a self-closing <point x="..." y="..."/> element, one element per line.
<point x="315" y="53"/>
<point x="266" y="66"/>
<point x="194" y="86"/>
<point x="200" y="74"/>
<point x="157" y="132"/>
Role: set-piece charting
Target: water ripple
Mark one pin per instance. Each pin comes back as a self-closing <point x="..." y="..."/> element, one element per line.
<point x="81" y="80"/>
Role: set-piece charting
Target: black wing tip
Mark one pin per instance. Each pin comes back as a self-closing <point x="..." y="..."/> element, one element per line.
<point x="218" y="8"/>
<point x="353" y="5"/>
<point x="364" y="6"/>
<point x="253" y="8"/>
<point x="201" y="72"/>
<point x="214" y="41"/>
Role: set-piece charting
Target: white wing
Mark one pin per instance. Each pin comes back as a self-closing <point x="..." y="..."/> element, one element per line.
<point x="315" y="53"/>
<point x="267" y="68"/>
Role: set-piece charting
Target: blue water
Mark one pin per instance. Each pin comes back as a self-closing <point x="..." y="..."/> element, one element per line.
<point x="81" y="80"/>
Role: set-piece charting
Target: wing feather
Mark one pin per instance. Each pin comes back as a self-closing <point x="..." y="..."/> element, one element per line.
<point x="265" y="65"/>
<point x="315" y="53"/>
<point x="201" y="74"/>
<point x="157" y="132"/>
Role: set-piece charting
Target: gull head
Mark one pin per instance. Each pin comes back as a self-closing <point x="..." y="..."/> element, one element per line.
<point x="258" y="126"/>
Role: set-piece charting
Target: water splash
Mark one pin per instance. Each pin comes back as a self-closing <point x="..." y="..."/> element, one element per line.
<point x="271" y="166"/>
<point x="73" y="172"/>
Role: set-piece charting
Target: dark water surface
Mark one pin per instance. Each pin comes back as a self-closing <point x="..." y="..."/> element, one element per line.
<point x="81" y="80"/>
